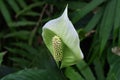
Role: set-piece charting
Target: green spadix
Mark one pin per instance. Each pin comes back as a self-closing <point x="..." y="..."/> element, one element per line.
<point x="62" y="40"/>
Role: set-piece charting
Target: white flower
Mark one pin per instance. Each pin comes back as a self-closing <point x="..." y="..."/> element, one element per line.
<point x="68" y="38"/>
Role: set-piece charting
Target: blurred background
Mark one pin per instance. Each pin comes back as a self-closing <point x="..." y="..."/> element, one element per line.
<point x="23" y="54"/>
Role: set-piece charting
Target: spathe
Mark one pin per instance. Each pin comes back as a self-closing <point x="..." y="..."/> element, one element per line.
<point x="64" y="29"/>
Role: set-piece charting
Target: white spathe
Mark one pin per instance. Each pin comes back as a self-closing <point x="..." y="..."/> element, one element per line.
<point x="63" y="28"/>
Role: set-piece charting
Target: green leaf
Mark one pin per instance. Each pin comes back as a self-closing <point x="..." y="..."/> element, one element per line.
<point x="94" y="21"/>
<point x="26" y="47"/>
<point x="22" y="3"/>
<point x="20" y="34"/>
<point x="89" y="7"/>
<point x="22" y="23"/>
<point x="23" y="53"/>
<point x="116" y="21"/>
<point x="71" y="74"/>
<point x="29" y="8"/>
<point x="85" y="70"/>
<point x="114" y="73"/>
<point x="66" y="39"/>
<point x="119" y="38"/>
<point x="76" y="4"/>
<point x="72" y="4"/>
<point x="33" y="74"/>
<point x="31" y="13"/>
<point x="1" y="56"/>
<point x="114" y="62"/>
<point x="14" y="5"/>
<point x="5" y="12"/>
<point x="23" y="63"/>
<point x="99" y="69"/>
<point x="107" y="23"/>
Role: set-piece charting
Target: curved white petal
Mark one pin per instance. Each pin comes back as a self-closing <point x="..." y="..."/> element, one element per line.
<point x="63" y="28"/>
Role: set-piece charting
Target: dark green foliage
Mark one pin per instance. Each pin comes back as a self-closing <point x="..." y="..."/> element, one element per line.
<point x="33" y="74"/>
<point x="20" y="36"/>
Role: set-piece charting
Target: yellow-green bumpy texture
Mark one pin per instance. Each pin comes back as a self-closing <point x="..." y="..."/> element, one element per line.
<point x="57" y="48"/>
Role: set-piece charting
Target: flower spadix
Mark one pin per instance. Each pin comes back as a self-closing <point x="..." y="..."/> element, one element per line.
<point x="62" y="40"/>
